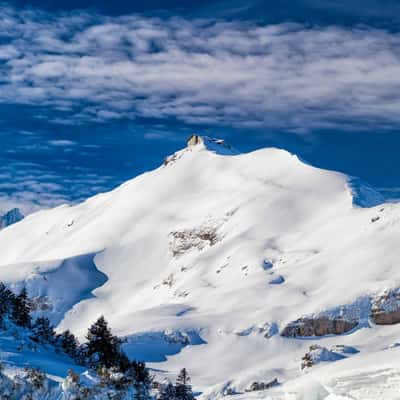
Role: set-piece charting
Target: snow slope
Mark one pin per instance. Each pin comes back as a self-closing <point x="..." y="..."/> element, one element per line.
<point x="203" y="257"/>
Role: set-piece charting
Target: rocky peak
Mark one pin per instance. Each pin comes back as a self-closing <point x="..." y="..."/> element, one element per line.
<point x="218" y="146"/>
<point x="194" y="140"/>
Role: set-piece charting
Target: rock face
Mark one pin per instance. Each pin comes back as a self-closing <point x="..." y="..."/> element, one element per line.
<point x="317" y="354"/>
<point x="319" y="326"/>
<point x="386" y="308"/>
<point x="194" y="140"/>
<point x="11" y="217"/>
<point x="257" y="386"/>
<point x="200" y="237"/>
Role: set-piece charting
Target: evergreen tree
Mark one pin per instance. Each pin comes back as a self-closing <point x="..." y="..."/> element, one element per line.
<point x="123" y="363"/>
<point x="141" y="379"/>
<point x="69" y="343"/>
<point x="6" y="300"/>
<point x="43" y="331"/>
<point x="21" y="309"/>
<point x="167" y="392"/>
<point x="103" y="348"/>
<point x="183" y="390"/>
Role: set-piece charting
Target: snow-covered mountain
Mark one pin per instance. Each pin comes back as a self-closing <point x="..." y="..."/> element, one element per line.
<point x="231" y="265"/>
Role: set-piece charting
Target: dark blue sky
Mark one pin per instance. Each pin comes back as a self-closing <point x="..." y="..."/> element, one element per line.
<point x="95" y="92"/>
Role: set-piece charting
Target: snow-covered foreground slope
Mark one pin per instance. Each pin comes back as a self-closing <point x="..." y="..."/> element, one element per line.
<point x="205" y="261"/>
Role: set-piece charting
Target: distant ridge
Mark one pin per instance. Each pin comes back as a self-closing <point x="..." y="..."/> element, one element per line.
<point x="11" y="217"/>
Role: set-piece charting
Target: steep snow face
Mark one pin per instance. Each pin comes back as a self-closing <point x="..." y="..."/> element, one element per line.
<point x="219" y="246"/>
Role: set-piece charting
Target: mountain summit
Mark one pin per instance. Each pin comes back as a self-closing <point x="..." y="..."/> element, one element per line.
<point x="218" y="146"/>
<point x="225" y="265"/>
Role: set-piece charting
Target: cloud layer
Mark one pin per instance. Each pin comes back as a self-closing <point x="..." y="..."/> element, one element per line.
<point x="93" y="68"/>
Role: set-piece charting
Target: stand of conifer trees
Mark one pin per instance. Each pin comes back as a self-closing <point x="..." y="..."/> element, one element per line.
<point x="102" y="351"/>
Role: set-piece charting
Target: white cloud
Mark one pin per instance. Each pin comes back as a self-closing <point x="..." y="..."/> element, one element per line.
<point x="62" y="142"/>
<point x="281" y="76"/>
<point x="32" y="186"/>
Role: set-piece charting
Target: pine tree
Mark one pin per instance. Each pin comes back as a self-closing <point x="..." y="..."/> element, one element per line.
<point x="141" y="379"/>
<point x="103" y="348"/>
<point x="167" y="392"/>
<point x="69" y="343"/>
<point x="21" y="309"/>
<point x="43" y="331"/>
<point x="123" y="363"/>
<point x="6" y="300"/>
<point x="183" y="390"/>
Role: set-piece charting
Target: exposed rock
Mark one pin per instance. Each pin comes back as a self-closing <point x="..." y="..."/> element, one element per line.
<point x="185" y="240"/>
<point x="317" y="354"/>
<point x="172" y="158"/>
<point x="169" y="280"/>
<point x="257" y="386"/>
<point x="318" y="326"/>
<point x="386" y="308"/>
<point x="218" y="146"/>
<point x="195" y="140"/>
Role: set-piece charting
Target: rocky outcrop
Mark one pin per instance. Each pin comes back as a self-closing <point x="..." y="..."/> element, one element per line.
<point x="218" y="146"/>
<point x="382" y="309"/>
<point x="195" y="140"/>
<point x="257" y="386"/>
<point x="386" y="308"/>
<point x="185" y="240"/>
<point x="318" y="326"/>
<point x="317" y="354"/>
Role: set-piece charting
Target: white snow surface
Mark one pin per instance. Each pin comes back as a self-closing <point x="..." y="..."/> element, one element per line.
<point x="209" y="257"/>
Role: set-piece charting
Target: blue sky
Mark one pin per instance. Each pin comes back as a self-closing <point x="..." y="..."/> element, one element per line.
<point x="95" y="92"/>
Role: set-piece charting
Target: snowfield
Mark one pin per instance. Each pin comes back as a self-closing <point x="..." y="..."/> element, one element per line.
<point x="203" y="262"/>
